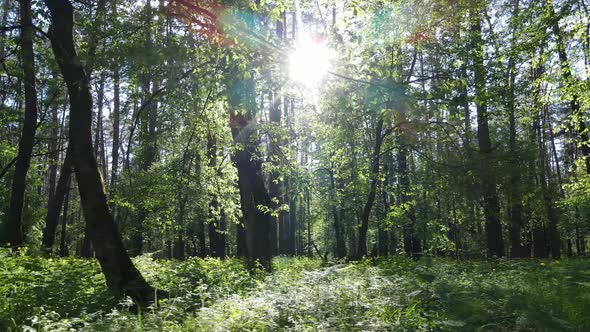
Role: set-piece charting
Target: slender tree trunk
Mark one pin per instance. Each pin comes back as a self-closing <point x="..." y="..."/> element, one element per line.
<point x="201" y="237"/>
<point x="289" y="220"/>
<point x="148" y="135"/>
<point x="98" y="133"/>
<point x="53" y="163"/>
<point x="548" y="192"/>
<point x="340" y="250"/>
<point x="309" y="221"/>
<point x="121" y="275"/>
<point x="374" y="178"/>
<point x="26" y="142"/>
<point x="179" y="243"/>
<point x="383" y="236"/>
<point x="537" y="179"/>
<point x="412" y="244"/>
<point x="515" y="176"/>
<point x="116" y="136"/>
<point x="57" y="201"/>
<point x="217" y="222"/>
<point x="278" y="188"/>
<point x="53" y="153"/>
<point x="63" y="245"/>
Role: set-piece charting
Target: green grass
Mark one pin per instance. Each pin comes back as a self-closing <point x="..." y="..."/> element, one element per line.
<point x="303" y="295"/>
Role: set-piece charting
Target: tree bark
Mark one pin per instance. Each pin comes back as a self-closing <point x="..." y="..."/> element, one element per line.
<point x="374" y="178"/>
<point x="217" y="221"/>
<point x="99" y="151"/>
<point x="253" y="193"/>
<point x="121" y="275"/>
<point x="26" y="142"/>
<point x="340" y="250"/>
<point x="491" y="203"/>
<point x="147" y="152"/>
<point x="63" y="245"/>
<point x="568" y="82"/>
<point x="53" y="163"/>
<point x="241" y="247"/>
<point x="276" y="188"/>
<point x="116" y="123"/>
<point x="547" y="190"/>
<point x="538" y="235"/>
<point x="57" y="201"/>
<point x="412" y="244"/>
<point x="515" y="176"/>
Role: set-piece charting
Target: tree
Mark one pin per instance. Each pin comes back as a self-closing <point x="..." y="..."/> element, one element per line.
<point x="121" y="275"/>
<point x="487" y="172"/>
<point x="25" y="146"/>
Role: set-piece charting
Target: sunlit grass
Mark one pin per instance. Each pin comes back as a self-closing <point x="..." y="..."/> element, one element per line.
<point x="303" y="294"/>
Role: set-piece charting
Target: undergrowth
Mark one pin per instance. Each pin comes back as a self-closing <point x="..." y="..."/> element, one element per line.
<point x="302" y="294"/>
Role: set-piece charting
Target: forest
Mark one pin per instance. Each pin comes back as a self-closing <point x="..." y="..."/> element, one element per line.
<point x="294" y="165"/>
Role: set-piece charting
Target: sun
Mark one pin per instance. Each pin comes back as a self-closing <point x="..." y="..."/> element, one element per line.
<point x="310" y="61"/>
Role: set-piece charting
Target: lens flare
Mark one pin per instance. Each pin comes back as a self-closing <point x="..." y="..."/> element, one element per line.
<point x="310" y="61"/>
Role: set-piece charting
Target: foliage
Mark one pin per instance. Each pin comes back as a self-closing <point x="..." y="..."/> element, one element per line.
<point x="302" y="294"/>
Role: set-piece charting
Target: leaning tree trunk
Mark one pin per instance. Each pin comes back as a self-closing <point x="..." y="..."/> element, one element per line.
<point x="57" y="200"/>
<point x="121" y="275"/>
<point x="25" y="146"/>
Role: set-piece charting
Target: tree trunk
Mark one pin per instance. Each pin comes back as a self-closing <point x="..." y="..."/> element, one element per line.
<point x="53" y="162"/>
<point x="412" y="245"/>
<point x="217" y="223"/>
<point x="308" y="204"/>
<point x="121" y="275"/>
<point x="202" y="248"/>
<point x="547" y="190"/>
<point x="374" y="178"/>
<point x="26" y="142"/>
<point x="382" y="235"/>
<point x="116" y="136"/>
<point x="5" y="11"/>
<point x="340" y="250"/>
<point x="488" y="180"/>
<point x="253" y="193"/>
<point x="241" y="247"/>
<point x="148" y="135"/>
<point x="276" y="186"/>
<point x="98" y="133"/>
<point x="57" y="201"/>
<point x="568" y="81"/>
<point x="63" y="245"/>
<point x="515" y="176"/>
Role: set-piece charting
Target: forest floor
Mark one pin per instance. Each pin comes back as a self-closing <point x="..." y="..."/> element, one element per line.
<point x="302" y="295"/>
